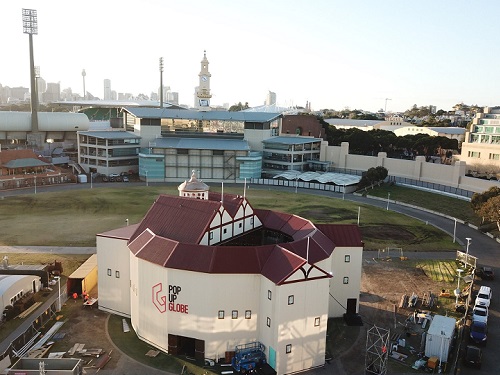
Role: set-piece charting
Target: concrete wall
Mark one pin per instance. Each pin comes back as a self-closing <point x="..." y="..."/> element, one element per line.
<point x="418" y="169"/>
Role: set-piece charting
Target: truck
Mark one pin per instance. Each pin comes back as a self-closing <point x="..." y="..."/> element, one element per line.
<point x="248" y="357"/>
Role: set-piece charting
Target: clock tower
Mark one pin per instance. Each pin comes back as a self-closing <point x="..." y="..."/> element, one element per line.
<point x="202" y="92"/>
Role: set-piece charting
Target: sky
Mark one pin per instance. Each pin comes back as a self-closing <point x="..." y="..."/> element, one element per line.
<point x="334" y="54"/>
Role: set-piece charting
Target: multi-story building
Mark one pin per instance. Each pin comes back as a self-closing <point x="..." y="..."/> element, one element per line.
<point x="291" y="153"/>
<point x="108" y="152"/>
<point x="107" y="90"/>
<point x="270" y="98"/>
<point x="481" y="149"/>
<point x="53" y="92"/>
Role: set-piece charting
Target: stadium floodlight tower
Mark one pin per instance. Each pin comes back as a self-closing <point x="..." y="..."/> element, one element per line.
<point x="161" y="82"/>
<point x="30" y="27"/>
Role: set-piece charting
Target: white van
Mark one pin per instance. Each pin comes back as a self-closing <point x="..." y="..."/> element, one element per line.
<point x="483" y="296"/>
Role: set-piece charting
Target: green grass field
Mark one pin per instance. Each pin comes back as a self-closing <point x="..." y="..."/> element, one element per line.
<point x="73" y="218"/>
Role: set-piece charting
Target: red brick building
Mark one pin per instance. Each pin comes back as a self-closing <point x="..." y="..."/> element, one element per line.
<point x="305" y="125"/>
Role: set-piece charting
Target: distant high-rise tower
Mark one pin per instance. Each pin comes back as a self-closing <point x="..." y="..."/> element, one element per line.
<point x="107" y="89"/>
<point x="53" y="92"/>
<point x="271" y="98"/>
<point x="202" y="92"/>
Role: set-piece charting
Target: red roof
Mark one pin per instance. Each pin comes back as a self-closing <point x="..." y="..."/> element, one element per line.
<point x="179" y="218"/>
<point x="170" y="233"/>
<point x="342" y="235"/>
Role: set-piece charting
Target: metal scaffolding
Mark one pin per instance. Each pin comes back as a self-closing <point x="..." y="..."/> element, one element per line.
<point x="377" y="351"/>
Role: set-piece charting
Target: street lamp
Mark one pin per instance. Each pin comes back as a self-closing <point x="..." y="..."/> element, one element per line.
<point x="58" y="278"/>
<point x="91" y="178"/>
<point x="388" y="197"/>
<point x="146" y="178"/>
<point x="343" y="193"/>
<point x="457" y="292"/>
<point x="467" y="251"/>
<point x="455" y="230"/>
<point x="34" y="179"/>
<point x="296" y="183"/>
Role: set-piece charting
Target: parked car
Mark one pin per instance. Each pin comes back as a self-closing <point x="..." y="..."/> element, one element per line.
<point x="485" y="273"/>
<point x="473" y="356"/>
<point x="479" y="333"/>
<point x="114" y="175"/>
<point x="483" y="296"/>
<point x="125" y="179"/>
<point x="480" y="314"/>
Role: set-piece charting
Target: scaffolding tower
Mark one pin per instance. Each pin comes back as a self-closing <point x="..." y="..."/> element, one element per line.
<point x="377" y="351"/>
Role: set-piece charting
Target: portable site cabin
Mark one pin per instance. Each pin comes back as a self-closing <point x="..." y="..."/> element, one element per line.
<point x="84" y="278"/>
<point x="14" y="287"/>
<point x="439" y="337"/>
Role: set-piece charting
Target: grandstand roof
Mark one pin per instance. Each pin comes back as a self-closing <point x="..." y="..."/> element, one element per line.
<point x="117" y="103"/>
<point x="291" y="140"/>
<point x="200" y="115"/>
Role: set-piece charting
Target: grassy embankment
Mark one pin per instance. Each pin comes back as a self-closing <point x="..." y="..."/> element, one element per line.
<point x="73" y="218"/>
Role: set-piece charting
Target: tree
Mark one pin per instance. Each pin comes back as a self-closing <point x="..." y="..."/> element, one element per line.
<point x="238" y="107"/>
<point x="373" y="176"/>
<point x="490" y="210"/>
<point x="479" y="199"/>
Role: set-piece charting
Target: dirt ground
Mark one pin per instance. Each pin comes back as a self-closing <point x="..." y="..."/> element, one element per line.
<point x="382" y="285"/>
<point x="85" y="325"/>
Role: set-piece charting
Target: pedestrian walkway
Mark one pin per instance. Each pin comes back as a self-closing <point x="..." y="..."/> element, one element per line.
<point x="47" y="249"/>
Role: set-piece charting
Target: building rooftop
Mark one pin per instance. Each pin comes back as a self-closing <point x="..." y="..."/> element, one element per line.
<point x="110" y="134"/>
<point x="209" y="143"/>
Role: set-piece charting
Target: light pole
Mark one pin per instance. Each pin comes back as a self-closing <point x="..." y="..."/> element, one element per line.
<point x="30" y="27"/>
<point x="147" y="178"/>
<point x="34" y="179"/>
<point x="388" y="197"/>
<point x="161" y="82"/>
<point x="296" y="183"/>
<point x="91" y="178"/>
<point x="467" y="251"/>
<point x="457" y="292"/>
<point x="343" y="193"/>
<point x="455" y="230"/>
<point x="58" y="278"/>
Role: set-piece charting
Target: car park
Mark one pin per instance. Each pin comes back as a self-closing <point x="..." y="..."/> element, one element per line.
<point x="483" y="296"/>
<point x="473" y="356"/>
<point x="485" y="273"/>
<point x="480" y="314"/>
<point x="479" y="333"/>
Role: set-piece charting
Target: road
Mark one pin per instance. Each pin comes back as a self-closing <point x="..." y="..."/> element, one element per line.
<point x="483" y="247"/>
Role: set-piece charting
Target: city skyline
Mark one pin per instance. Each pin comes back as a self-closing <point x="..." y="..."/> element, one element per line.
<point x="329" y="53"/>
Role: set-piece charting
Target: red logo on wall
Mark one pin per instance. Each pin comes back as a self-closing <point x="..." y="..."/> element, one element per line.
<point x="160" y="300"/>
